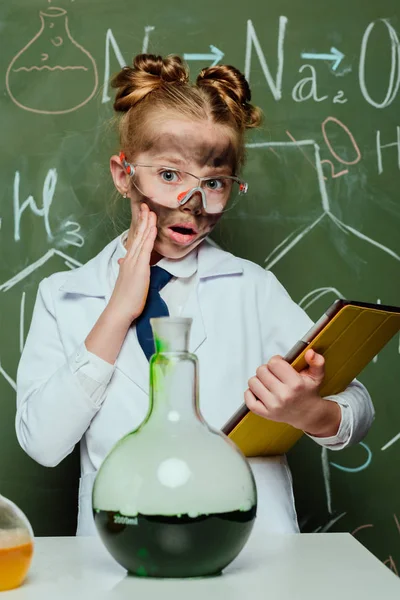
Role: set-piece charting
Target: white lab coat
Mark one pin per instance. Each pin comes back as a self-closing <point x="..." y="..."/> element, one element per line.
<point x="241" y="317"/>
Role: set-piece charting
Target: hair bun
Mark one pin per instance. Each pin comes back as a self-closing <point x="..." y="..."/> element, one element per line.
<point x="233" y="89"/>
<point x="148" y="73"/>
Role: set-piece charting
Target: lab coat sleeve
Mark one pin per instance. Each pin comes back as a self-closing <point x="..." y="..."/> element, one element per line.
<point x="357" y="416"/>
<point x="286" y="323"/>
<point x="57" y="396"/>
<point x="94" y="375"/>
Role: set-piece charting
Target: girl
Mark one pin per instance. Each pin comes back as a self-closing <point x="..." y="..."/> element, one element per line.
<point x="83" y="375"/>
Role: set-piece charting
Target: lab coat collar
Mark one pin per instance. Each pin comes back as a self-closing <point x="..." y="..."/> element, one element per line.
<point x="214" y="262"/>
<point x="185" y="267"/>
<point x="91" y="278"/>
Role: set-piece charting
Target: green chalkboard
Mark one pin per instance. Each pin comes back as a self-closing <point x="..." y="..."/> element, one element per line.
<point x="322" y="210"/>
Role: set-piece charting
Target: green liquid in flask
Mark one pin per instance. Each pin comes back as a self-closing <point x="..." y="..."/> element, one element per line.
<point x="175" y="546"/>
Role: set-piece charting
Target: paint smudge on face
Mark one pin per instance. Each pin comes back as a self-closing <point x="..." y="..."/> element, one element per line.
<point x="198" y="153"/>
<point x="166" y="217"/>
<point x="197" y="143"/>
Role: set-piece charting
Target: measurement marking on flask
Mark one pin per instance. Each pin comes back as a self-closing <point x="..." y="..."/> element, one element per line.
<point x="120" y="520"/>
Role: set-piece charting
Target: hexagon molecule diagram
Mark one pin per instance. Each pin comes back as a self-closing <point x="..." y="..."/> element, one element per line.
<point x="52" y="74"/>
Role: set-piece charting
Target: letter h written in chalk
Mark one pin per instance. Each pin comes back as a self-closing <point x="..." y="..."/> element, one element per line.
<point x="380" y="147"/>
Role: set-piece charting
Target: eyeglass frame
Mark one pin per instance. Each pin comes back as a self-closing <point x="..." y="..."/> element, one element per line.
<point x="130" y="169"/>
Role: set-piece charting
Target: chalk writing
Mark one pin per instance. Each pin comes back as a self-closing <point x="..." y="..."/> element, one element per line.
<point x="394" y="78"/>
<point x="317" y="294"/>
<point x="361" y="467"/>
<point x="21" y="322"/>
<point x="252" y="40"/>
<point x="73" y="238"/>
<point x="68" y="260"/>
<point x="339" y="98"/>
<point x="397" y="523"/>
<point x="335" y="57"/>
<point x="300" y="92"/>
<point x="375" y="359"/>
<point x="147" y="30"/>
<point x="389" y="562"/>
<point x="297" y="235"/>
<point x="70" y="67"/>
<point x="8" y="378"/>
<point x="334" y="174"/>
<point x="360" y="528"/>
<point x="326" y="473"/>
<point x="379" y="147"/>
<point x="327" y="526"/>
<point x="391" y="442"/>
<point x="351" y="138"/>
<point x="20" y="277"/>
<point x="215" y="56"/>
<point x="110" y="41"/>
<point x="49" y="187"/>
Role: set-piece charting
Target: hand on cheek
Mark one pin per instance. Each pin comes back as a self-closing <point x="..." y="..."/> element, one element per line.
<point x="279" y="393"/>
<point x="131" y="288"/>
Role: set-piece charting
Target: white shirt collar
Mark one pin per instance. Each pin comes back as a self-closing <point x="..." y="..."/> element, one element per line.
<point x="182" y="267"/>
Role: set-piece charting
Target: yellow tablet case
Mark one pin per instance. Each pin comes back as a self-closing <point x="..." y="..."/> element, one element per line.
<point x="348" y="342"/>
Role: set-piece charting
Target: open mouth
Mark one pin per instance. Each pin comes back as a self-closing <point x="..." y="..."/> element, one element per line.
<point x="181" y="233"/>
<point x="183" y="230"/>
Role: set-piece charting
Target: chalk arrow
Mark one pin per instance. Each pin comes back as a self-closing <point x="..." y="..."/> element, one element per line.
<point x="216" y="55"/>
<point x="336" y="56"/>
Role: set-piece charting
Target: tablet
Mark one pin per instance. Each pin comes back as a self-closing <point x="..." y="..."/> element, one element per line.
<point x="349" y="334"/>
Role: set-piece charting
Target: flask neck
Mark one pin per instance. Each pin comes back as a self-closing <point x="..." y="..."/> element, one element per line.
<point x="171" y="334"/>
<point x="173" y="375"/>
<point x="174" y="389"/>
<point x="53" y="24"/>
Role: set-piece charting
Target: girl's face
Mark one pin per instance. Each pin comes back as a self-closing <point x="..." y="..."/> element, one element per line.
<point x="201" y="148"/>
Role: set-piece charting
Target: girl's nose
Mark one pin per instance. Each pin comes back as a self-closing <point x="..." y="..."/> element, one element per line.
<point x="194" y="204"/>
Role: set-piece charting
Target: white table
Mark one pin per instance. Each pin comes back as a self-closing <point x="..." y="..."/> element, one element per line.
<point x="322" y="566"/>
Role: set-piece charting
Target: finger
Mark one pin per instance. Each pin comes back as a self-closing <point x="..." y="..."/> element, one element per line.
<point x="283" y="371"/>
<point x="144" y="248"/>
<point x="152" y="219"/>
<point x="148" y="244"/>
<point x="259" y="390"/>
<point x="152" y="222"/>
<point x="255" y="405"/>
<point x="145" y="209"/>
<point x="269" y="381"/>
<point x="137" y="235"/>
<point x="316" y="365"/>
<point x="140" y="230"/>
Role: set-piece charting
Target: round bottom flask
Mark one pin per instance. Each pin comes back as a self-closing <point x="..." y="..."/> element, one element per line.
<point x="174" y="498"/>
<point x="16" y="545"/>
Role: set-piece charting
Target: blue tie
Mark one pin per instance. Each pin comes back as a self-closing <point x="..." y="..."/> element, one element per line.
<point x="154" y="307"/>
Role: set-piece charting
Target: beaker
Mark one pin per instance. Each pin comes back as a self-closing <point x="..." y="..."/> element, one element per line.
<point x="174" y="498"/>
<point x="16" y="545"/>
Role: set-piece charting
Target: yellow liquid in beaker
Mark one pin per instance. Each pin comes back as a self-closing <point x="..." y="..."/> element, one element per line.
<point x="14" y="565"/>
<point x="15" y="561"/>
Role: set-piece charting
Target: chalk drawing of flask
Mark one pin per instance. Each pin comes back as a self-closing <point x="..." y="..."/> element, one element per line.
<point x="52" y="74"/>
